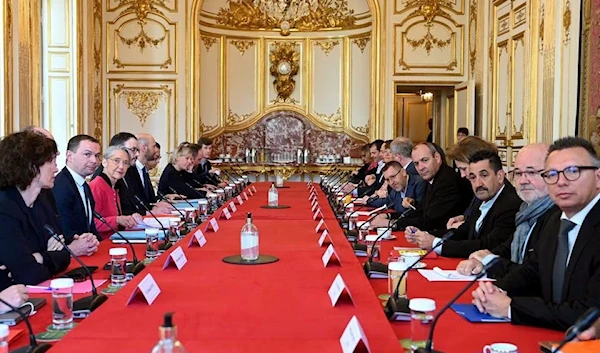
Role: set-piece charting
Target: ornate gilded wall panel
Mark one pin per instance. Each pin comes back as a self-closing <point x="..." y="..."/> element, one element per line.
<point x="211" y="97"/>
<point x="430" y="38"/>
<point x="243" y="85"/>
<point x="275" y="65"/>
<point x="325" y="86"/>
<point x="358" y="89"/>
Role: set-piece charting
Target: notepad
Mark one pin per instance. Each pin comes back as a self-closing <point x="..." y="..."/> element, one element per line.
<point x="369" y="213"/>
<point x="78" y="287"/>
<point x="470" y="312"/>
<point x="439" y="275"/>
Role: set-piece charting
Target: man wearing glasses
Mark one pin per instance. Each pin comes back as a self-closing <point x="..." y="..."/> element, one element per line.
<point x="493" y="219"/>
<point x="560" y="279"/>
<point x="532" y="189"/>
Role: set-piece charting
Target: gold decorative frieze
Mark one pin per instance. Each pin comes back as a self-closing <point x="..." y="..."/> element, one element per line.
<point x="141" y="9"/>
<point x="97" y="77"/>
<point x="503" y="24"/>
<point x="284" y="66"/>
<point x="362" y="129"/>
<point x="142" y="103"/>
<point x="283" y="15"/>
<point x="472" y="35"/>
<point x="541" y="29"/>
<point x="428" y="41"/>
<point x="520" y="16"/>
<point x="242" y="45"/>
<point x="327" y="45"/>
<point x="429" y="10"/>
<point x="567" y="22"/>
<point x="208" y="41"/>
<point x="205" y="128"/>
<point x="334" y="119"/>
<point x="233" y="118"/>
<point x="361" y="42"/>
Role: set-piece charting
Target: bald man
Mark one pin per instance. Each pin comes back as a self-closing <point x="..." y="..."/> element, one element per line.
<point x="532" y="189"/>
<point x="137" y="178"/>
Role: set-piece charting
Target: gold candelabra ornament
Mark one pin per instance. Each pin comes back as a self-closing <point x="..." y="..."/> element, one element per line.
<point x="284" y="15"/>
<point x="284" y="66"/>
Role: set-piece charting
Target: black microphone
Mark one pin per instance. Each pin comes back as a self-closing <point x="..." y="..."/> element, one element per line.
<point x="196" y="191"/>
<point x="339" y="185"/>
<point x="584" y="322"/>
<point x="33" y="347"/>
<point x="354" y="233"/>
<point x="138" y="266"/>
<point x="427" y="348"/>
<point x="379" y="267"/>
<point x="338" y="175"/>
<point x="398" y="306"/>
<point x="176" y="193"/>
<point x="167" y="243"/>
<point x="166" y="199"/>
<point x="87" y="303"/>
<point x="343" y="196"/>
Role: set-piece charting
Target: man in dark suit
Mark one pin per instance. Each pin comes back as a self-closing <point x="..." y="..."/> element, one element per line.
<point x="401" y="149"/>
<point x="360" y="174"/>
<point x="73" y="196"/>
<point x="374" y="178"/>
<point x="531" y="188"/>
<point x="402" y="186"/>
<point x="138" y="180"/>
<point x="493" y="220"/>
<point x="442" y="196"/>
<point x="560" y="279"/>
<point x="204" y="172"/>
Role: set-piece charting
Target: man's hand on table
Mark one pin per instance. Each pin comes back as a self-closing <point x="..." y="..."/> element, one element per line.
<point x="469" y="267"/>
<point x="491" y="300"/>
<point x="416" y="236"/>
<point x="455" y="222"/>
<point x="479" y="255"/>
<point x="380" y="221"/>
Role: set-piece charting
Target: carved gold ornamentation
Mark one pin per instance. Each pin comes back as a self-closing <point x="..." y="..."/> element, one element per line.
<point x="541" y="29"/>
<point x="283" y="15"/>
<point x="362" y="129"/>
<point x="284" y="66"/>
<point x="327" y="45"/>
<point x="8" y="62"/>
<point x="97" y="53"/>
<point x="362" y="42"/>
<point x="208" y="41"/>
<point x="472" y="35"/>
<point x="333" y="119"/>
<point x="242" y="45"/>
<point x="142" y="103"/>
<point x="234" y="118"/>
<point x="567" y="22"/>
<point x="429" y="9"/>
<point x="141" y="9"/>
<point x="204" y="127"/>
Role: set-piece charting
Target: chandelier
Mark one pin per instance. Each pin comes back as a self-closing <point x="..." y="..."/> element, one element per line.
<point x="303" y="15"/>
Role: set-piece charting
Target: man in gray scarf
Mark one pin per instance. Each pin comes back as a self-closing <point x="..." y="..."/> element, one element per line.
<point x="532" y="189"/>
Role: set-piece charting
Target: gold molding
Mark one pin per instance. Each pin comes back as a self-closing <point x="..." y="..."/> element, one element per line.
<point x="588" y="123"/>
<point x="98" y="75"/>
<point x="242" y="45"/>
<point x="29" y="34"/>
<point x="159" y="3"/>
<point x="362" y="42"/>
<point x="141" y="9"/>
<point x="142" y="103"/>
<point x="407" y="5"/>
<point x="326" y="45"/>
<point x="566" y="22"/>
<point x="428" y="41"/>
<point x="519" y="15"/>
<point x="334" y="119"/>
<point x="503" y="24"/>
<point x="80" y="72"/>
<point x="234" y="119"/>
<point x="208" y="41"/>
<point x="8" y="67"/>
<point x="472" y="35"/>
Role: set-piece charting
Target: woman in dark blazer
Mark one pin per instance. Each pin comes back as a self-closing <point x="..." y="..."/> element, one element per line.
<point x="174" y="176"/>
<point x="29" y="254"/>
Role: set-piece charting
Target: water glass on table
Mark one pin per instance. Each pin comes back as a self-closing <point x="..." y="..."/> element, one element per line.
<point x="363" y="230"/>
<point x="373" y="246"/>
<point x="396" y="268"/>
<point x="62" y="303"/>
<point x="421" y="316"/>
<point x="118" y="268"/>
<point x="151" y="243"/>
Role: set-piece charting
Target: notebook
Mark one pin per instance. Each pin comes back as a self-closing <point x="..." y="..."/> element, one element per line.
<point x="134" y="236"/>
<point x="470" y="312"/>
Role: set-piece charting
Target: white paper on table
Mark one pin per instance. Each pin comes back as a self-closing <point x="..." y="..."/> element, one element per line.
<point x="369" y="213"/>
<point x="439" y="275"/>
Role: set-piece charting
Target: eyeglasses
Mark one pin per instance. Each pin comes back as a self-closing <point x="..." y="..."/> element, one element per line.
<point x="571" y="173"/>
<point x="517" y="174"/>
<point x="117" y="161"/>
<point x="392" y="176"/>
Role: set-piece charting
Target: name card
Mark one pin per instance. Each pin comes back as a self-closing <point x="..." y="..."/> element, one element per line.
<point x="315" y="205"/>
<point x="318" y="214"/>
<point x="212" y="224"/>
<point x="226" y="213"/>
<point x="198" y="237"/>
<point x="336" y="289"/>
<point x="253" y="189"/>
<point x="314" y="201"/>
<point x="178" y="257"/>
<point x="232" y="206"/>
<point x="312" y="196"/>
<point x="329" y="253"/>
<point x="353" y="334"/>
<point x="148" y="288"/>
<point x="250" y="192"/>
<point x="324" y="236"/>
<point x="320" y="225"/>
<point x="245" y="196"/>
<point x="239" y="200"/>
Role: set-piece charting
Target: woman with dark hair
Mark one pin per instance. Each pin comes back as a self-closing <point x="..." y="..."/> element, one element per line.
<point x="29" y="254"/>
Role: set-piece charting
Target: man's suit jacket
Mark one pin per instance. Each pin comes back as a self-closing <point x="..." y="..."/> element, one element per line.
<point x="371" y="189"/>
<point x="202" y="174"/>
<point x="360" y="174"/>
<point x="411" y="169"/>
<point x="530" y="285"/>
<point x="136" y="187"/>
<point x="504" y="264"/>
<point x="442" y="200"/>
<point x="21" y="235"/>
<point x="71" y="212"/>
<point x="415" y="189"/>
<point x="498" y="225"/>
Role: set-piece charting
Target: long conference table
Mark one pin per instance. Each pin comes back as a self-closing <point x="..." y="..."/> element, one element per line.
<point x="279" y="307"/>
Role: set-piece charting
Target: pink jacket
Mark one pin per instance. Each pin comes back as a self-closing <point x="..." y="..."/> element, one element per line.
<point x="108" y="204"/>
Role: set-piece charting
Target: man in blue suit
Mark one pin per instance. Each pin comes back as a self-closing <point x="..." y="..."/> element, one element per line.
<point x="402" y="185"/>
<point x="74" y="199"/>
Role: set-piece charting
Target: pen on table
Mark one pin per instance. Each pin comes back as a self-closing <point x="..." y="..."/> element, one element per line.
<point x="412" y="207"/>
<point x="39" y="287"/>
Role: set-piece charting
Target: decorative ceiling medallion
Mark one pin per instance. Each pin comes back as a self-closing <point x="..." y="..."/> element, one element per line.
<point x="429" y="9"/>
<point x="284" y="66"/>
<point x="284" y="15"/>
<point x="327" y="45"/>
<point x="141" y="9"/>
<point x="242" y="45"/>
<point x="362" y="42"/>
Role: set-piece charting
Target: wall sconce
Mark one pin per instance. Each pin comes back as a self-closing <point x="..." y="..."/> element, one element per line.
<point x="427" y="97"/>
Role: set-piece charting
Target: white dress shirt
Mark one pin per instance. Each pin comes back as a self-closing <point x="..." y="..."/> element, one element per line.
<point x="578" y="219"/>
<point x="140" y="168"/>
